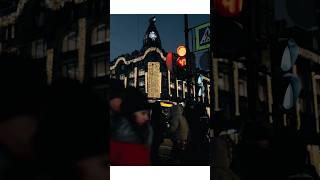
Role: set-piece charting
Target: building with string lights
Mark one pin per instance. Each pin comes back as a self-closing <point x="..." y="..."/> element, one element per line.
<point x="156" y="72"/>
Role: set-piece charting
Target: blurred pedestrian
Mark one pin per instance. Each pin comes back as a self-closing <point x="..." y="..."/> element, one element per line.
<point x="22" y="94"/>
<point x="71" y="141"/>
<point x="254" y="156"/>
<point x="222" y="159"/>
<point x="116" y="89"/>
<point x="158" y="123"/>
<point x="179" y="129"/>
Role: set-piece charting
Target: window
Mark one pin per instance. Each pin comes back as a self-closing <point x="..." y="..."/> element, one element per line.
<point x="243" y="88"/>
<point x="141" y="72"/>
<point x="122" y="76"/>
<point x="131" y="83"/>
<point x="141" y="82"/>
<point x="70" y="42"/>
<point x="40" y="20"/>
<point x="70" y="70"/>
<point x="172" y="85"/>
<point x="99" y="66"/>
<point x="99" y="35"/>
<point x="7" y="34"/>
<point x="12" y="32"/>
<point x="39" y="49"/>
<point x="261" y="93"/>
<point x="131" y="74"/>
<point x="122" y="67"/>
<point x="223" y="82"/>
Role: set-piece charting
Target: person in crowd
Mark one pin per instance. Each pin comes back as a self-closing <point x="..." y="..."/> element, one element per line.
<point x="158" y="124"/>
<point x="71" y="141"/>
<point x="222" y="158"/>
<point x="192" y="115"/>
<point x="254" y="156"/>
<point x="115" y="97"/>
<point x="132" y="138"/>
<point x="292" y="156"/>
<point x="22" y="94"/>
<point x="179" y="129"/>
<point x="116" y="89"/>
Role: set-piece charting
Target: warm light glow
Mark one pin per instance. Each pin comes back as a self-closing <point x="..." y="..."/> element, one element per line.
<point x="164" y="104"/>
<point x="182" y="50"/>
<point x="182" y="62"/>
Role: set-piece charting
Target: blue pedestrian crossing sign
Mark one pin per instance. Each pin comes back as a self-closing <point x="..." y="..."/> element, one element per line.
<point x="202" y="37"/>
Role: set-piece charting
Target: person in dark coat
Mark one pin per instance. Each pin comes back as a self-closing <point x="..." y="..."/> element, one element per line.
<point x="131" y="140"/>
<point x="22" y="102"/>
<point x="159" y="127"/>
<point x="222" y="160"/>
<point x="292" y="156"/>
<point x="71" y="141"/>
<point x="179" y="129"/>
<point x="254" y="156"/>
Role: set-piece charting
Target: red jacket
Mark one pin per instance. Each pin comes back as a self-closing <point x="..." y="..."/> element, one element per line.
<point x="128" y="154"/>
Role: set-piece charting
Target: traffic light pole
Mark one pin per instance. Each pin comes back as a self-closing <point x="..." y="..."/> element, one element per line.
<point x="188" y="65"/>
<point x="252" y="59"/>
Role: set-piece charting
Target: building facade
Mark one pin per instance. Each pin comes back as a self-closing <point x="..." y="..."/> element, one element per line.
<point x="70" y="39"/>
<point x="147" y="69"/>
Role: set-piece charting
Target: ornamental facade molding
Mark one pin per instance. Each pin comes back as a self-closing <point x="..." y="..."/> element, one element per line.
<point x="149" y="50"/>
<point x="58" y="4"/>
<point x="51" y="4"/>
<point x="11" y="18"/>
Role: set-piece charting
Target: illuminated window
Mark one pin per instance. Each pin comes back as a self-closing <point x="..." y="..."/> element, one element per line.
<point x="141" y="72"/>
<point x="172" y="85"/>
<point x="131" y="75"/>
<point x="131" y="83"/>
<point x="141" y="82"/>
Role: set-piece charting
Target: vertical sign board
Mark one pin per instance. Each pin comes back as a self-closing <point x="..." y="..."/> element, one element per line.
<point x="154" y="80"/>
<point x="202" y="37"/>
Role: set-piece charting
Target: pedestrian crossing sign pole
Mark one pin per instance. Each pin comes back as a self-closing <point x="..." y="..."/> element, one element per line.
<point x="202" y="37"/>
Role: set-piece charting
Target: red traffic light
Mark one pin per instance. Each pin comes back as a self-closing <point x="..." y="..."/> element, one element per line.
<point x="181" y="62"/>
<point x="228" y="8"/>
<point x="169" y="61"/>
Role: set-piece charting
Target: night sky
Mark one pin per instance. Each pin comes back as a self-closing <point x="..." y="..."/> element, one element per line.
<point x="127" y="31"/>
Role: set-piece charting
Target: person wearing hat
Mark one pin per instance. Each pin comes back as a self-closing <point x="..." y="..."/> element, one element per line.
<point x="132" y="136"/>
<point x="115" y="95"/>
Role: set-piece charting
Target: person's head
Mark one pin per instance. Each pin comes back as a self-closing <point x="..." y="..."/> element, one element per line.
<point x="141" y="117"/>
<point x="135" y="106"/>
<point x="116" y="94"/>
<point x="258" y="133"/>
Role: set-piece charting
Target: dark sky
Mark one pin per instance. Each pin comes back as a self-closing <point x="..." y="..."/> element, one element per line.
<point x="127" y="31"/>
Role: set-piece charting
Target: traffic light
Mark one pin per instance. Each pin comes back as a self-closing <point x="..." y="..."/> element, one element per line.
<point x="230" y="26"/>
<point x="182" y="59"/>
<point x="290" y="83"/>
